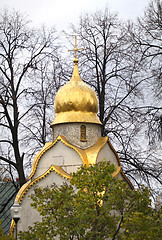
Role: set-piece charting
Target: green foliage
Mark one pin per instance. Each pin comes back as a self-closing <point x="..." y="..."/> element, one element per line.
<point x="94" y="206"/>
<point x="2" y="236"/>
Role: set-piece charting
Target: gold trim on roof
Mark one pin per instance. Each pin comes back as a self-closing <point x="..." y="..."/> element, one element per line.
<point x="24" y="189"/>
<point x="92" y="152"/>
<point x="47" y="146"/>
<point x="76" y="116"/>
<point x="38" y="156"/>
<point x="80" y="151"/>
<point x="12" y="226"/>
<point x="118" y="159"/>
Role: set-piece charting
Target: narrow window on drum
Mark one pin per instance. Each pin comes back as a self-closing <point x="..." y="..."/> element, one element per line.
<point x="83" y="133"/>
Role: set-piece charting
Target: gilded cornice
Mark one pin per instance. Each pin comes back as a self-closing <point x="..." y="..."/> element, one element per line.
<point x="12" y="227"/>
<point x="80" y="151"/>
<point x="129" y="182"/>
<point x="88" y="156"/>
<point x="22" y="191"/>
<point x="49" y="145"/>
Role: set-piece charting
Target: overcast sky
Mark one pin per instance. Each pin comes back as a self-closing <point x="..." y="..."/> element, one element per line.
<point x="63" y="12"/>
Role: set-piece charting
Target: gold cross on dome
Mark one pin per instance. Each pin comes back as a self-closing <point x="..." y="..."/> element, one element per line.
<point x="75" y="48"/>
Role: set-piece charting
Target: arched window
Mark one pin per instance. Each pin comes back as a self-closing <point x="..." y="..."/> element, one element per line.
<point x="83" y="133"/>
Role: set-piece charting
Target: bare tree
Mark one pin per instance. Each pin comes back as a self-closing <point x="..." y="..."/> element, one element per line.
<point x="46" y="81"/>
<point x="113" y="66"/>
<point x="22" y="49"/>
<point x="146" y="39"/>
<point x="104" y="62"/>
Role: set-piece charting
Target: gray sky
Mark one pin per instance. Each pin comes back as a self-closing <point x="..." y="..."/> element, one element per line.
<point x="63" y="12"/>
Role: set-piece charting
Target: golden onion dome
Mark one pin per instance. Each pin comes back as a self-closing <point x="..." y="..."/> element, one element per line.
<point x="76" y="101"/>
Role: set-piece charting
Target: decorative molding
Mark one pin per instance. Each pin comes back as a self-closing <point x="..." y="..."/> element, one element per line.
<point x="49" y="145"/>
<point x="12" y="227"/>
<point x="22" y="191"/>
<point x="38" y="156"/>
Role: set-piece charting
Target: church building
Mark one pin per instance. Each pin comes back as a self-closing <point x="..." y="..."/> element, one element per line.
<point x="77" y="140"/>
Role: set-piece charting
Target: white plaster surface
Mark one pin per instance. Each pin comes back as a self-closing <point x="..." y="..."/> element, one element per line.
<point x="60" y="155"/>
<point x="28" y="214"/>
<point x="71" y="131"/>
<point x="107" y="154"/>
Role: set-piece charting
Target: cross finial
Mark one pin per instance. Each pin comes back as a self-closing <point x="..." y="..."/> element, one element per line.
<point x="75" y="48"/>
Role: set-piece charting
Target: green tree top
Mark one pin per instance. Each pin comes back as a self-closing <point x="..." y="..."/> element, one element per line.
<point x="94" y="206"/>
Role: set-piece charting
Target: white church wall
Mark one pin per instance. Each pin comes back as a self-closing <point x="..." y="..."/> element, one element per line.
<point x="59" y="155"/>
<point x="28" y="214"/>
